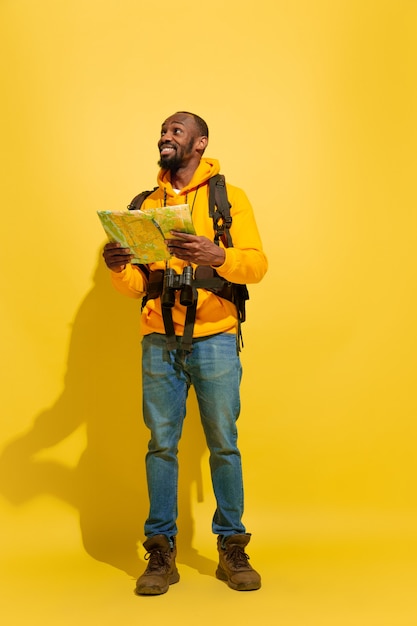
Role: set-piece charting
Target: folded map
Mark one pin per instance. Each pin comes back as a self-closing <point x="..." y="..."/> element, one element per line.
<point x="144" y="232"/>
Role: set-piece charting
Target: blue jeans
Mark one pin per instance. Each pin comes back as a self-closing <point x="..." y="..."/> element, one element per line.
<point x="214" y="368"/>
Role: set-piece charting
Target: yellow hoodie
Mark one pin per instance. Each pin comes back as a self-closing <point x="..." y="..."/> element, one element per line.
<point x="245" y="263"/>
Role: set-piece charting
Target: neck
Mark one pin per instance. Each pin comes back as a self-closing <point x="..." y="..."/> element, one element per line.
<point x="181" y="177"/>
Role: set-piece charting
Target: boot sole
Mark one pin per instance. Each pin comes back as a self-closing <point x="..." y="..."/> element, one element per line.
<point x="153" y="590"/>
<point x="221" y="575"/>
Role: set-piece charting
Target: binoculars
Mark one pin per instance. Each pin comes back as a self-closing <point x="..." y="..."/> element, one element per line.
<point x="178" y="282"/>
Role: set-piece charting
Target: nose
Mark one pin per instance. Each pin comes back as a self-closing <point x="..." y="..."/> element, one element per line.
<point x="166" y="137"/>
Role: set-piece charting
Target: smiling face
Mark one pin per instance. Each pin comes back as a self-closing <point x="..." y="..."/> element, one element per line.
<point x="181" y="142"/>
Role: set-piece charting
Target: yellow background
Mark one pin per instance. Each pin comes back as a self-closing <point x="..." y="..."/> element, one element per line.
<point x="312" y="110"/>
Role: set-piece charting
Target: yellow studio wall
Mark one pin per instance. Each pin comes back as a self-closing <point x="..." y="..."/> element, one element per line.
<point x="311" y="109"/>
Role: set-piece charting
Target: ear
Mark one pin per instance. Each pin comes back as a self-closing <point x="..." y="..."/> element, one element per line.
<point x="202" y="143"/>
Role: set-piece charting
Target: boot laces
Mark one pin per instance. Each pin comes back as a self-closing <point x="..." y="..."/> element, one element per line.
<point x="157" y="560"/>
<point x="237" y="556"/>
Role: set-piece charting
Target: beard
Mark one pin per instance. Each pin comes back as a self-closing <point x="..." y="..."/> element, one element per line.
<point x="173" y="162"/>
<point x="170" y="162"/>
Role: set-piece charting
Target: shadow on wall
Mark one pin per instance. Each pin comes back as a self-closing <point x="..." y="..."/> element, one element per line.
<point x="103" y="391"/>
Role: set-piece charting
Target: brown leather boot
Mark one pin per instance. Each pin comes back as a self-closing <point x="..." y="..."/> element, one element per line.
<point x="161" y="571"/>
<point x="234" y="565"/>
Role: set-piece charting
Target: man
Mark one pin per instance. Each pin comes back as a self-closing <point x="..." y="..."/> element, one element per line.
<point x="212" y="365"/>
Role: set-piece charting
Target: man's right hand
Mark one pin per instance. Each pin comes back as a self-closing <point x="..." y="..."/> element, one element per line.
<point x="116" y="257"/>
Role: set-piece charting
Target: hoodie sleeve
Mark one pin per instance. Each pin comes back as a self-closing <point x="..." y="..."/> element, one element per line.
<point x="130" y="282"/>
<point x="245" y="262"/>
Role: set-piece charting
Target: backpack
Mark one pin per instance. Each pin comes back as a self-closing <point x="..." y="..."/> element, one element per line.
<point x="205" y="277"/>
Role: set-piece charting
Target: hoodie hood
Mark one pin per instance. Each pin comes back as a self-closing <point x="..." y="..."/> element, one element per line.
<point x="205" y="170"/>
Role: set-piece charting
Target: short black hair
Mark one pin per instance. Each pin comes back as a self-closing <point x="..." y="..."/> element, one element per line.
<point x="199" y="122"/>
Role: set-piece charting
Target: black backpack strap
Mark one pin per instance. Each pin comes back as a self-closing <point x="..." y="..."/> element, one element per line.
<point x="187" y="338"/>
<point x="219" y="210"/>
<point x="138" y="200"/>
<point x="169" y="328"/>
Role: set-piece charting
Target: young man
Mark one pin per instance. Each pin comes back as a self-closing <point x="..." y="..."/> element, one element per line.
<point x="212" y="365"/>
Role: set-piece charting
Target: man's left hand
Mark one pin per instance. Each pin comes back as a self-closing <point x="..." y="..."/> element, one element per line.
<point x="195" y="249"/>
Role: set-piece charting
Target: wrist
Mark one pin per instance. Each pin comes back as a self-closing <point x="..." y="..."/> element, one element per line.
<point x="221" y="258"/>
